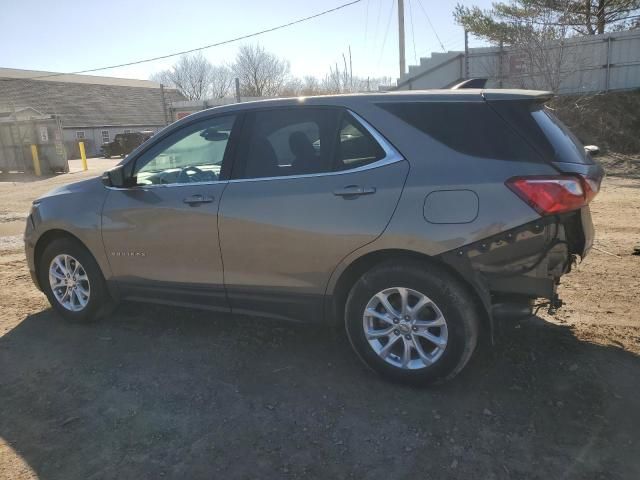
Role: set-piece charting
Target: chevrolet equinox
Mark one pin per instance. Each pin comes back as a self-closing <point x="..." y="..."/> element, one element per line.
<point x="415" y="218"/>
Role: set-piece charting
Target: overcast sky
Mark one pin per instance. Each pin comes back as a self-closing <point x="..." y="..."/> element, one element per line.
<point x="66" y="36"/>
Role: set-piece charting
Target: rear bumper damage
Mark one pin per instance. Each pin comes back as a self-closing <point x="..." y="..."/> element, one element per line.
<point x="512" y="269"/>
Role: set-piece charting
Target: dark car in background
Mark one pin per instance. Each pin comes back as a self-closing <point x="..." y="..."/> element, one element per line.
<point x="124" y="143"/>
<point x="415" y="219"/>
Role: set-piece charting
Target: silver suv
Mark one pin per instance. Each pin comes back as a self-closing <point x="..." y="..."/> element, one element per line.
<point x="415" y="218"/>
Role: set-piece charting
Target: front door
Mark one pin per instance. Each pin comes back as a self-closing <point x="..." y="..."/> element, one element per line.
<point x="311" y="186"/>
<point x="161" y="236"/>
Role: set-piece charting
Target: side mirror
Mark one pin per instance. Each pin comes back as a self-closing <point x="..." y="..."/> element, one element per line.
<point x="115" y="177"/>
<point x="593" y="150"/>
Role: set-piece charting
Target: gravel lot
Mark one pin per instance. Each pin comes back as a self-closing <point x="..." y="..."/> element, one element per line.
<point x="154" y="392"/>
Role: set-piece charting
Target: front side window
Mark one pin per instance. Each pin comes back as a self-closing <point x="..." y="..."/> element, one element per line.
<point x="194" y="154"/>
<point x="302" y="141"/>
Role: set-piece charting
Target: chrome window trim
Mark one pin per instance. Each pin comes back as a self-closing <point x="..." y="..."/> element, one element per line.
<point x="168" y="185"/>
<point x="391" y="156"/>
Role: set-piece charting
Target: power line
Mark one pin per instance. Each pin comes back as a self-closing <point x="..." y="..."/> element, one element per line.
<point x="413" y="34"/>
<point x="384" y="40"/>
<point x="224" y="42"/>
<point x="431" y="25"/>
<point x="375" y="33"/>
<point x="366" y="21"/>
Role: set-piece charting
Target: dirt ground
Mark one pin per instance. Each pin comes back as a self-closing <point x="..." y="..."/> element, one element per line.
<point x="154" y="392"/>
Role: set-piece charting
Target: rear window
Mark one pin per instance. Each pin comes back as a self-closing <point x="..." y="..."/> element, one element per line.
<point x="565" y="145"/>
<point x="544" y="132"/>
<point x="469" y="128"/>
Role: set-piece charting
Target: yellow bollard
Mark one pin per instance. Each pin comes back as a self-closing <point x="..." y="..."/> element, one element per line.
<point x="83" y="155"/>
<point x="36" y="160"/>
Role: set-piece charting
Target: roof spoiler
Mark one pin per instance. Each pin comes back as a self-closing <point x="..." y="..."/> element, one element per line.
<point x="532" y="96"/>
<point x="470" y="83"/>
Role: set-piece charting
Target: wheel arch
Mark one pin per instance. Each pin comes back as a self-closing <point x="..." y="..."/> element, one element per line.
<point x="336" y="298"/>
<point x="45" y="239"/>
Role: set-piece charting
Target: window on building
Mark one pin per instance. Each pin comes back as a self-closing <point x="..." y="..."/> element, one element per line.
<point x="127" y="130"/>
<point x="80" y="135"/>
<point x="105" y="136"/>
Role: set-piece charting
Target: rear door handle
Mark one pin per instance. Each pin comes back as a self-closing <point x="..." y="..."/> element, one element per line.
<point x="197" y="199"/>
<point x="354" y="191"/>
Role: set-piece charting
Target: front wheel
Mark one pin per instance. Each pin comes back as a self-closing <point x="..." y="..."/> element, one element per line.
<point x="72" y="281"/>
<point x="412" y="323"/>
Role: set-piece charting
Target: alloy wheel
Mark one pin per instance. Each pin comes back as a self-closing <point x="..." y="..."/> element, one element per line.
<point x="69" y="282"/>
<point x="405" y="328"/>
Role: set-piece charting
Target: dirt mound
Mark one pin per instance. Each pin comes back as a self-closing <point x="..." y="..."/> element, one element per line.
<point x="609" y="120"/>
<point x="618" y="165"/>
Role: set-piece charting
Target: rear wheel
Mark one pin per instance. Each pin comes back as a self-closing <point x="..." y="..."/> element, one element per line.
<point x="412" y="324"/>
<point x="72" y="281"/>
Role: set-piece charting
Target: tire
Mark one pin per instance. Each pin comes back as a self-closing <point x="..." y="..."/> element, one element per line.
<point x="448" y="306"/>
<point x="97" y="303"/>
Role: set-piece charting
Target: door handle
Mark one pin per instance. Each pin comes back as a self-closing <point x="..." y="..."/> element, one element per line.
<point x="197" y="199"/>
<point x="354" y="191"/>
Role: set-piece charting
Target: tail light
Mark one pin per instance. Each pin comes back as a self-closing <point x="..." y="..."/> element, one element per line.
<point x="554" y="194"/>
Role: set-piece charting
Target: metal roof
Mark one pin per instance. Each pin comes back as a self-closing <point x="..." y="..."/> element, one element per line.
<point x="79" y="102"/>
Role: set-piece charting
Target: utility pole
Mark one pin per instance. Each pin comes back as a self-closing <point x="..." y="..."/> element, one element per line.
<point x="466" y="54"/>
<point x="164" y="105"/>
<point x="350" y="69"/>
<point x="401" y="36"/>
<point x="500" y="64"/>
<point x="237" y="81"/>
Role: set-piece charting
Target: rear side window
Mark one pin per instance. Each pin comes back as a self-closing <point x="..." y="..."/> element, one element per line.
<point x="285" y="142"/>
<point x="355" y="146"/>
<point x="304" y="140"/>
<point x="467" y="127"/>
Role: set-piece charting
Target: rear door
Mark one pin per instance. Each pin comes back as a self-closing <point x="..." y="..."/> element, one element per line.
<point x="311" y="185"/>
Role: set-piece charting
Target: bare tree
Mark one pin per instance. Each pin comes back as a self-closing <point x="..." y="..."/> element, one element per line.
<point x="310" y="86"/>
<point x="333" y="81"/>
<point x="293" y="88"/>
<point x="220" y="81"/>
<point x="261" y="73"/>
<point x="191" y="76"/>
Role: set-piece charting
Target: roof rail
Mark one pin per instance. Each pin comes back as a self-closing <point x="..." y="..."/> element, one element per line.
<point x="470" y="83"/>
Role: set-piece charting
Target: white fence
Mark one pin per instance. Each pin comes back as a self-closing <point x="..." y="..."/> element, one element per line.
<point x="586" y="64"/>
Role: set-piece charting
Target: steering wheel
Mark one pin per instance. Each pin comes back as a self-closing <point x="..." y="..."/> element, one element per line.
<point x="190" y="174"/>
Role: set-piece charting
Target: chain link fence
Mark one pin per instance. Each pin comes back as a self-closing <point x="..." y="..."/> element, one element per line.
<point x="44" y="116"/>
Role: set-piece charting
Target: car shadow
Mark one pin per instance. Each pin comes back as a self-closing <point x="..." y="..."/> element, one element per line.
<point x="167" y="393"/>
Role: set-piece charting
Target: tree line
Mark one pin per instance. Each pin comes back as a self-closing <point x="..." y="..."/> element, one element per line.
<point x="260" y="74"/>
